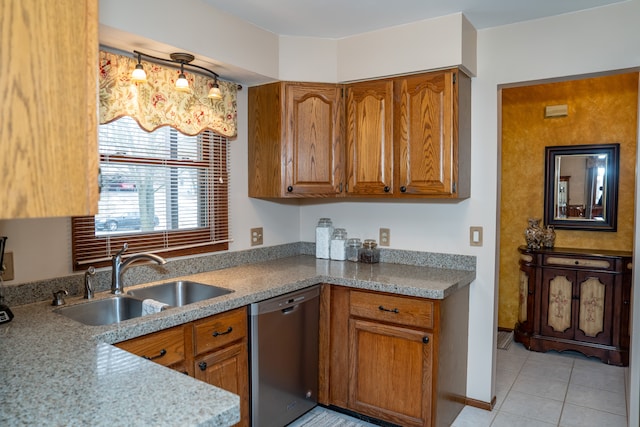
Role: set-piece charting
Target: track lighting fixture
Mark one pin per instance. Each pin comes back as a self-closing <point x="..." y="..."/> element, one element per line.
<point x="182" y="84"/>
<point x="138" y="74"/>
<point x="214" y="92"/>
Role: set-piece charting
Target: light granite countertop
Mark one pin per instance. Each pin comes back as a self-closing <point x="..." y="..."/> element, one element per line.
<point x="56" y="371"/>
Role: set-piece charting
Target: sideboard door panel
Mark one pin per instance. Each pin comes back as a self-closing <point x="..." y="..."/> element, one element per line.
<point x="557" y="304"/>
<point x="596" y="296"/>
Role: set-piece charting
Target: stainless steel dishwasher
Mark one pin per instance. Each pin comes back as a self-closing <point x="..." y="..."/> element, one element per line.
<point x="284" y="357"/>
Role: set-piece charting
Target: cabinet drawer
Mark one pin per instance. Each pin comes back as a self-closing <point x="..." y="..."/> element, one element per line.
<point x="219" y="330"/>
<point x="391" y="308"/>
<point x="604" y="264"/>
<point x="163" y="347"/>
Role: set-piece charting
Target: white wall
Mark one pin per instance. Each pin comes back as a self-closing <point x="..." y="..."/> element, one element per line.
<point x="309" y="59"/>
<point x="194" y="26"/>
<point x="423" y="45"/>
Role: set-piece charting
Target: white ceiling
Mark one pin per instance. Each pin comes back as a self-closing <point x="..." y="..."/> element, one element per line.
<point x="341" y="18"/>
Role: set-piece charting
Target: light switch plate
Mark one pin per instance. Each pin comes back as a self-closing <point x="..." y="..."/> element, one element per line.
<point x="475" y="236"/>
<point x="256" y="236"/>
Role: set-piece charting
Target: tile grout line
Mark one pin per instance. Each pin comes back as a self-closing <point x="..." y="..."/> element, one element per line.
<point x="509" y="390"/>
<point x="566" y="392"/>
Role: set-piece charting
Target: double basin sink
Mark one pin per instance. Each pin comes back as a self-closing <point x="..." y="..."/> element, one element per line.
<point x="119" y="308"/>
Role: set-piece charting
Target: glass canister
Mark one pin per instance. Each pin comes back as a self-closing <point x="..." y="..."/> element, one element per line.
<point x="324" y="230"/>
<point x="338" y="244"/>
<point x="353" y="246"/>
<point x="369" y="252"/>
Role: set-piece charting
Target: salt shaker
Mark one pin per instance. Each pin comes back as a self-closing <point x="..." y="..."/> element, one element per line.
<point x="338" y="244"/>
<point x="324" y="230"/>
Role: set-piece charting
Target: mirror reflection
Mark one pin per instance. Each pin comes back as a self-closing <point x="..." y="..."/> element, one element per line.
<point x="581" y="186"/>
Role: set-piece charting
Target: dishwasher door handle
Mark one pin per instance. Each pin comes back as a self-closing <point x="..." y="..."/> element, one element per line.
<point x="291" y="309"/>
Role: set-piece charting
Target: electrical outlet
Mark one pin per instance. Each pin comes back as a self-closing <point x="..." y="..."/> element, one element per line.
<point x="7" y="268"/>
<point x="256" y="236"/>
<point x="475" y="236"/>
<point x="385" y="236"/>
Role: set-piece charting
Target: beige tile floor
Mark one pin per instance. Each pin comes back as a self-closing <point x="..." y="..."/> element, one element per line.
<point x="552" y="389"/>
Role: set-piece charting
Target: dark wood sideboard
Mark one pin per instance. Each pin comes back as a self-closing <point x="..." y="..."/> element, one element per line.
<point x="575" y="299"/>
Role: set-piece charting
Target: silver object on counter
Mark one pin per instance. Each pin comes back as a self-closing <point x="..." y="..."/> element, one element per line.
<point x="119" y="267"/>
<point x="58" y="297"/>
<point x="89" y="289"/>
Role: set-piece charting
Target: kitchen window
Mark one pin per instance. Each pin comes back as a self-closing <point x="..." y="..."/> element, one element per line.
<point x="162" y="192"/>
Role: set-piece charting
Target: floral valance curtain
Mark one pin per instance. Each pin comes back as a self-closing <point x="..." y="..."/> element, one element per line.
<point x="156" y="102"/>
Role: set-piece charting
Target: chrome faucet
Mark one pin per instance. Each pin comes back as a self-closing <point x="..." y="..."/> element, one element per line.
<point x="88" y="283"/>
<point x="120" y="266"/>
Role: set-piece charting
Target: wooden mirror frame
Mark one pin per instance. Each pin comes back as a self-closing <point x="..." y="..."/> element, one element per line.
<point x="610" y="190"/>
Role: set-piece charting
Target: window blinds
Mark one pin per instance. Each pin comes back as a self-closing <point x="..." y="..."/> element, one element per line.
<point x="161" y="192"/>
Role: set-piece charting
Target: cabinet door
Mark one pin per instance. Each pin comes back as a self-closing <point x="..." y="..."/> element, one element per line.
<point x="526" y="295"/>
<point x="426" y="158"/>
<point x="557" y="307"/>
<point x="390" y="372"/>
<point x="594" y="311"/>
<point x="48" y="112"/>
<point x="313" y="141"/>
<point x="577" y="305"/>
<point x="228" y="369"/>
<point x="369" y="137"/>
<point x="265" y="139"/>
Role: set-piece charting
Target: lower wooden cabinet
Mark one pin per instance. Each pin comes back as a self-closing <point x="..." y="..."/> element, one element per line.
<point x="213" y="350"/>
<point x="575" y="299"/>
<point x="406" y="357"/>
<point x="221" y="355"/>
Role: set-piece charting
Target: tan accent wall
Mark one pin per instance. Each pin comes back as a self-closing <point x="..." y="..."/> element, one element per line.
<point x="601" y="110"/>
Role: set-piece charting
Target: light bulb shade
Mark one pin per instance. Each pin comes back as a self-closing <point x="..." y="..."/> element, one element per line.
<point x="182" y="83"/>
<point x="139" y="75"/>
<point x="214" y="92"/>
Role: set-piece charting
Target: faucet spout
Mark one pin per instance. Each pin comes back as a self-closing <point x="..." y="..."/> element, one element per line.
<point x="119" y="267"/>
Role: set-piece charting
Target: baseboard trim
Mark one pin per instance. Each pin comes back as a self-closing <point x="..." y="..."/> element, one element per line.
<point x="481" y="404"/>
<point x="505" y="329"/>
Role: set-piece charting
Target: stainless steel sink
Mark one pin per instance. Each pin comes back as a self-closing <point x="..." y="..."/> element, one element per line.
<point x="104" y="311"/>
<point x="179" y="293"/>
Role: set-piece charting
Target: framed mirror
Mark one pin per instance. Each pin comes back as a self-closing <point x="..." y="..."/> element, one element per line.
<point x="581" y="187"/>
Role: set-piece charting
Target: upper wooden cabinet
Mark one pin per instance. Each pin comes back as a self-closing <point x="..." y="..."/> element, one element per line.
<point x="432" y="134"/>
<point x="48" y="108"/>
<point x="369" y="138"/>
<point x="401" y="137"/>
<point x="295" y="147"/>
